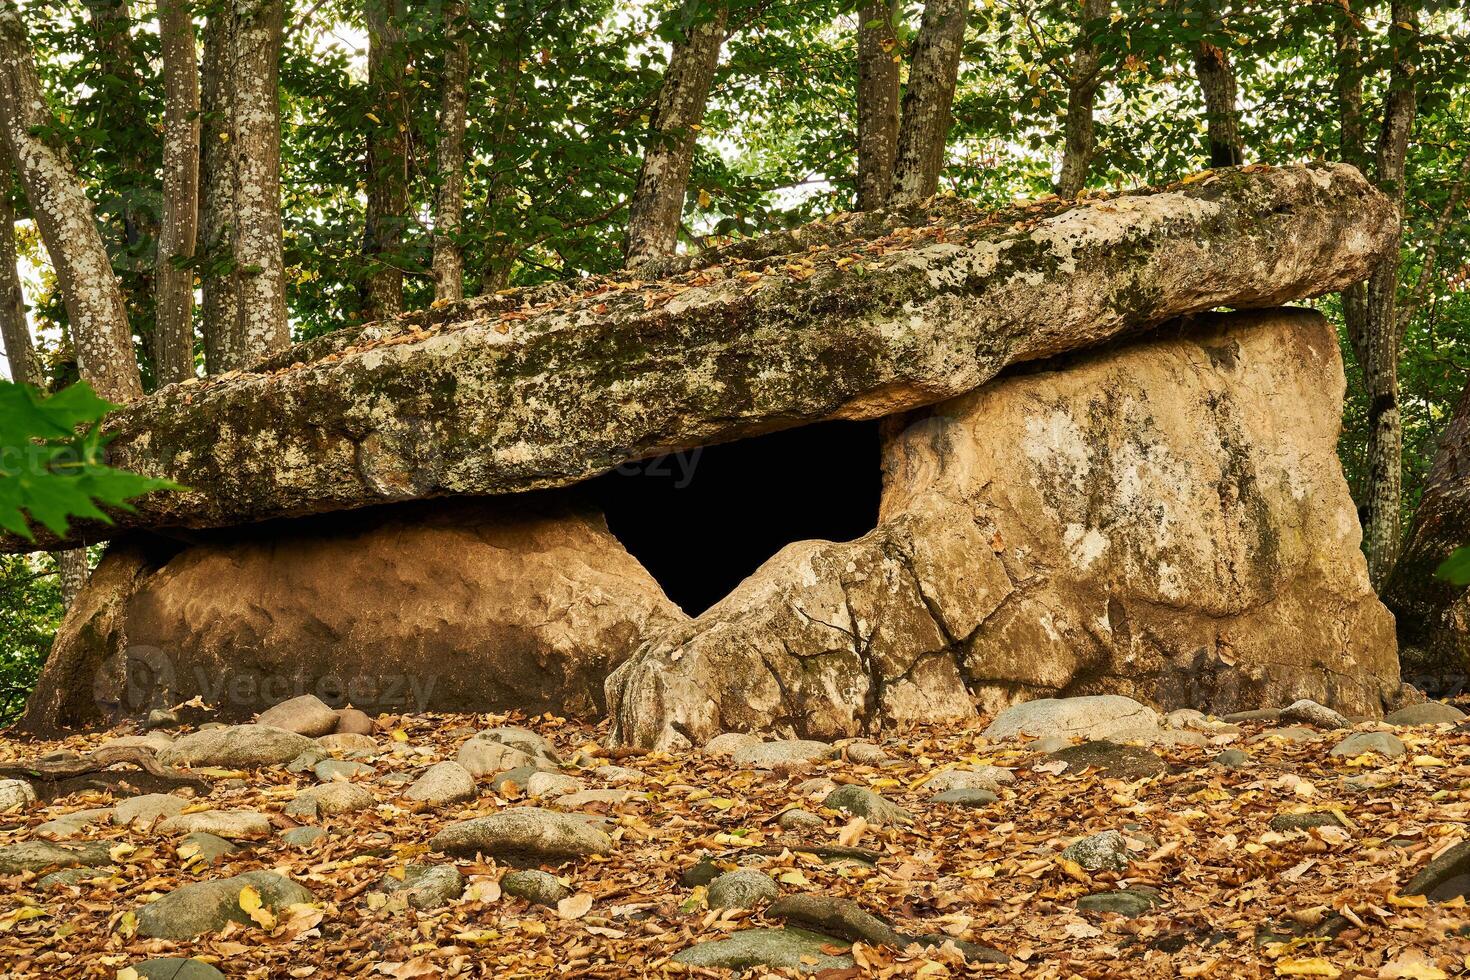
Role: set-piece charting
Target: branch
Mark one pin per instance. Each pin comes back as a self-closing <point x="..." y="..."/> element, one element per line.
<point x="1431" y="251"/>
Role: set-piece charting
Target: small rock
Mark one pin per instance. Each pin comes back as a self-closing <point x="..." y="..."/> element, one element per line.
<point x="428" y="886"/>
<point x="38" y="856"/>
<point x="835" y="917"/>
<point x="15" y="794"/>
<point x="238" y="746"/>
<point x="1187" y="718"/>
<point x="302" y="836"/>
<point x="1232" y="759"/>
<point x="161" y="718"/>
<point x="536" y="887"/>
<point x="553" y="784"/>
<point x="308" y="760"/>
<point x="1049" y="744"/>
<point x="336" y="798"/>
<point x="208" y="906"/>
<point x="69" y="825"/>
<point x="1292" y="733"/>
<point x="1127" y="762"/>
<point x="793" y="752"/>
<point x="701" y="872"/>
<point x="1445" y="877"/>
<point x="351" y="721"/>
<point x="69" y="878"/>
<point x="1360" y="743"/>
<point x="966" y="797"/>
<point x="211" y="848"/>
<point x="1107" y="851"/>
<point x="727" y="744"/>
<point x="1303" y="821"/>
<point x="1268" y="715"/>
<point x="1127" y="902"/>
<point x="865" y="754"/>
<point x="176" y="969"/>
<point x="986" y="777"/>
<point x="744" y="889"/>
<point x="863" y="802"/>
<point x="305" y="715"/>
<point x="789" y="949"/>
<point x="348" y="744"/>
<point x="145" y="810"/>
<point x="335" y="770"/>
<point x="1426" y="713"/>
<point x="523" y="833"/>
<point x="520" y="777"/>
<point x="1308" y="712"/>
<point x="1094" y="717"/>
<point x="443" y="784"/>
<point x="799" y="819"/>
<point x="590" y="797"/>
<point x="619" y="774"/>
<point x="229" y="824"/>
<point x="525" y="741"/>
<point x="484" y="757"/>
<point x="816" y="788"/>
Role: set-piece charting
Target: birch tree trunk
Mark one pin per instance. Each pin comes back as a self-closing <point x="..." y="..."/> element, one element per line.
<point x="933" y="71"/>
<point x="387" y="180"/>
<point x="1222" y="119"/>
<point x="64" y="216"/>
<point x="173" y="329"/>
<point x="877" y="102"/>
<point x="260" y="314"/>
<point x="449" y="208"/>
<point x="217" y="193"/>
<point x="1084" y="75"/>
<point x="658" y="200"/>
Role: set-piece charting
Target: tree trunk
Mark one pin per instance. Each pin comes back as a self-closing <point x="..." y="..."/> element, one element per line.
<point x="449" y="208"/>
<point x="173" y="330"/>
<point x="387" y="178"/>
<point x="1352" y="144"/>
<point x="877" y="102"/>
<point x="1222" y="119"/>
<point x="217" y="194"/>
<point x="933" y="72"/>
<point x="94" y="303"/>
<point x="1372" y="313"/>
<point x="260" y="315"/>
<point x="1083" y="78"/>
<point x="658" y="200"/>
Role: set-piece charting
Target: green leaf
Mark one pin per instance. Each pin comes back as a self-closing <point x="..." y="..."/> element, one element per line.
<point x="1456" y="568"/>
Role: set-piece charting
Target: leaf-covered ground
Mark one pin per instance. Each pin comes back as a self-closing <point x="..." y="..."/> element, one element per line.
<point x="1238" y="899"/>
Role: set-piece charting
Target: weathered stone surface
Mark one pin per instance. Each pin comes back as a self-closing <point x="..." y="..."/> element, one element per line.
<point x="839" y="917"/>
<point x="38" y="856"/>
<point x="176" y="969"/>
<point x="1112" y="760"/>
<point x="335" y="798"/>
<point x="427" y="886"/>
<point x="443" y="784"/>
<point x="1107" y="851"/>
<point x="240" y="745"/>
<point x="1426" y="713"/>
<point x="743" y="889"/>
<point x="229" y="824"/>
<point x="1127" y="902"/>
<point x="863" y="802"/>
<point x="354" y="721"/>
<point x="536" y="887"/>
<point x="1134" y="521"/>
<point x="1096" y="717"/>
<point x="579" y="383"/>
<point x="522" y="833"/>
<point x="15" y="794"/>
<point x="1359" y="743"/>
<point x="1445" y="877"/>
<point x="986" y="777"/>
<point x="1308" y="712"/>
<point x="789" y="949"/>
<point x="495" y="604"/>
<point x="770" y="755"/>
<point x="146" y="809"/>
<point x="207" y="906"/>
<point x="348" y="744"/>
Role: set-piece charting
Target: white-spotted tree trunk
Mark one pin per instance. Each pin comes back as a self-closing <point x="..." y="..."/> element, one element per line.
<point x="1084" y="76"/>
<point x="1222" y="117"/>
<point x="173" y="330"/>
<point x="879" y="61"/>
<point x="449" y="206"/>
<point x="933" y="71"/>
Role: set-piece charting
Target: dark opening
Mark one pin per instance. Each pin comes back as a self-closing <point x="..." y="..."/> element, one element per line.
<point x="703" y="520"/>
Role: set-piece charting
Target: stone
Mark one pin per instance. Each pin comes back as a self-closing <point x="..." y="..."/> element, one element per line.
<point x="211" y="848"/>
<point x="966" y="797"/>
<point x="519" y="777"/>
<point x="523" y="833"/>
<point x="1360" y="743"/>
<point x="1189" y="718"/>
<point x="1445" y="877"/>
<point x="308" y="760"/>
<point x="780" y="949"/>
<point x="355" y="721"/>
<point x="743" y="889"/>
<point x="1291" y="733"/>
<point x="146" y="809"/>
<point x="795" y="752"/>
<point x="69" y="878"/>
<point x="337" y="798"/>
<point x="305" y="715"/>
<point x="239" y="746"/>
<point x="865" y="754"/>
<point x="1095" y="717"/>
<point x="302" y="836"/>
<point x="727" y="744"/>
<point x="1107" y="851"/>
<point x="1115" y="761"/>
<point x="70" y="825"/>
<point x="1127" y="902"/>
<point x="1049" y="744"/>
<point x="1232" y="759"/>
<point x="349" y="744"/>
<point x="427" y="886"/>
<point x="701" y="872"/>
<point x="1426" y="713"/>
<point x="1269" y="715"/>
<point x="38" y="856"/>
<point x="553" y="784"/>
<point x="1304" y="821"/>
<point x="536" y="887"/>
<point x="443" y="784"/>
<point x="328" y="770"/>
<point x="619" y="774"/>
<point x="590" y="797"/>
<point x="15" y="794"/>
<point x="840" y="917"/>
<point x="1029" y="457"/>
<point x="176" y="969"/>
<point x="986" y="777"/>
<point x="1309" y="712"/>
<point x="863" y="802"/>
<point x="208" y="906"/>
<point x="161" y="718"/>
<point x="799" y="819"/>
<point x="485" y="758"/>
<point x="523" y="740"/>
<point x="229" y="824"/>
<point x="153" y="741"/>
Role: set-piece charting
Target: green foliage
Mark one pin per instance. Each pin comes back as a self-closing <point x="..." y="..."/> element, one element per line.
<point x="30" y="612"/>
<point x="51" y="460"/>
<point x="1456" y="568"/>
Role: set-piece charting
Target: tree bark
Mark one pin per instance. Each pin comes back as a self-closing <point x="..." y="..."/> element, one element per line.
<point x="1375" y="334"/>
<point x="173" y="330"/>
<point x="64" y="216"/>
<point x="877" y="102"/>
<point x="1084" y="76"/>
<point x="449" y="208"/>
<point x="387" y="178"/>
<point x="217" y="194"/>
<point x="658" y="199"/>
<point x="933" y="72"/>
<point x="1222" y="119"/>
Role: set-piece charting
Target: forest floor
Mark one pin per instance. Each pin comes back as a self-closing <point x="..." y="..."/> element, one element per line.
<point x="1230" y="897"/>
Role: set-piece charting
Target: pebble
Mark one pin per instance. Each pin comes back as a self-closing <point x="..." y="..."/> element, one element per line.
<point x="1127" y="902"/>
<point x="521" y="833"/>
<point x="145" y="810"/>
<point x="727" y="744"/>
<point x="1360" y="743"/>
<point x="1308" y="712"/>
<point x="863" y="802"/>
<point x="209" y="847"/>
<point x="71" y="824"/>
<point x="15" y="794"/>
<point x="349" y="744"/>
<point x="443" y="784"/>
<point x="1091" y="717"/>
<point x="302" y="836"/>
<point x="966" y="797"/>
<point x="1304" y="821"/>
<point x="1107" y="851"/>
<point x="744" y="889"/>
<point x="619" y="774"/>
<point x="553" y="784"/>
<point x="1426" y="713"/>
<point x="1114" y="761"/>
<point x="1445" y="877"/>
<point x="38" y="856"/>
<point x="536" y="887"/>
<point x="781" y="949"/>
<point x="986" y="777"/>
<point x="208" y="906"/>
<point x="304" y="715"/>
<point x="176" y="969"/>
<point x="426" y="886"/>
<point x="238" y="746"/>
<point x="329" y="770"/>
<point x="799" y="819"/>
<point x="1232" y="759"/>
<point x="794" y="752"/>
<point x="351" y="721"/>
<point x="229" y="824"/>
<point x="333" y="799"/>
<point x="865" y="754"/>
